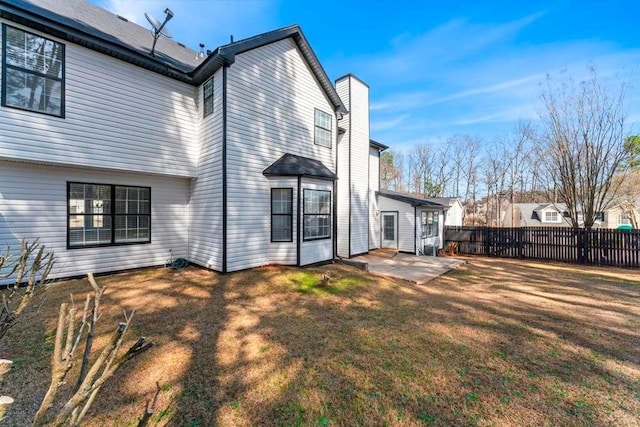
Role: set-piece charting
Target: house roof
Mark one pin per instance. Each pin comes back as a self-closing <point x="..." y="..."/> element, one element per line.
<point x="378" y="145"/>
<point x="447" y="201"/>
<point x="292" y="165"/>
<point x="413" y="201"/>
<point x="88" y="25"/>
<point x="531" y="214"/>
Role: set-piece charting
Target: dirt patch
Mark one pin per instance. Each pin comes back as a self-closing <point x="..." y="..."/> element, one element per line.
<point x="494" y="342"/>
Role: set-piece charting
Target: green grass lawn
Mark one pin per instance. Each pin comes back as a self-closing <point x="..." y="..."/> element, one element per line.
<point x="495" y="342"/>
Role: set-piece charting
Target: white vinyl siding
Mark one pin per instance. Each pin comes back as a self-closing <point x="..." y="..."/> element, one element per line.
<point x="406" y="221"/>
<point x="34" y="205"/>
<point x="271" y="99"/>
<point x="359" y="111"/>
<point x="455" y="214"/>
<point x="343" y="161"/>
<point x="354" y="166"/>
<point x="205" y="227"/>
<point x="117" y="116"/>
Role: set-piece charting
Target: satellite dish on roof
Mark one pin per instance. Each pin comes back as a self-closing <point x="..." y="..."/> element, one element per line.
<point x="158" y="28"/>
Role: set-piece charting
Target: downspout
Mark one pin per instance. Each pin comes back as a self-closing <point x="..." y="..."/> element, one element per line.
<point x="298" y="222"/>
<point x="350" y="160"/>
<point x="335" y="196"/>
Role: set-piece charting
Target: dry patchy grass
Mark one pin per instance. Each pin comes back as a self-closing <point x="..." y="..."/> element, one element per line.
<point x="494" y="342"/>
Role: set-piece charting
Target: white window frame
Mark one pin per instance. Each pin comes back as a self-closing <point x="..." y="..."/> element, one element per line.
<point x="430" y="223"/>
<point x="551" y="216"/>
<point x="623" y="219"/>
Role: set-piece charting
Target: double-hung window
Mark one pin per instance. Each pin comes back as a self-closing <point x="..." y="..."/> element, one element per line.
<point x="317" y="214"/>
<point x="430" y="226"/>
<point x="624" y="219"/>
<point x="32" y="72"/>
<point x="551" y="216"/>
<point x="281" y="214"/>
<point x="103" y="215"/>
<point x="207" y="97"/>
<point x="322" y="129"/>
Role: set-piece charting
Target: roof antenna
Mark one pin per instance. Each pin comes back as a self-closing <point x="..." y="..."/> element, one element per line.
<point x="158" y="28"/>
<point x="200" y="54"/>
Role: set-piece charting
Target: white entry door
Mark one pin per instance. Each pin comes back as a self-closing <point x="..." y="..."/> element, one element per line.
<point x="389" y="230"/>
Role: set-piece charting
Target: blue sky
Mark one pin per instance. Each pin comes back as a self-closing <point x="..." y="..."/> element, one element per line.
<point x="435" y="69"/>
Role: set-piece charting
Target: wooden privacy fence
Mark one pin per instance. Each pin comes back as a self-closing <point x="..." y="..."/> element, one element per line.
<point x="618" y="248"/>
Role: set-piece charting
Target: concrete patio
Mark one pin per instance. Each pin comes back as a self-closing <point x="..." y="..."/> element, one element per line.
<point x="413" y="268"/>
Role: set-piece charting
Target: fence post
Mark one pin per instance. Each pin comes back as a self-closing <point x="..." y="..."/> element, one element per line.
<point x="486" y="241"/>
<point x="582" y="246"/>
<point x="520" y="243"/>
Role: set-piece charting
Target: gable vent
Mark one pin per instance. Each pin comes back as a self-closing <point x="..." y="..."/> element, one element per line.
<point x="122" y="18"/>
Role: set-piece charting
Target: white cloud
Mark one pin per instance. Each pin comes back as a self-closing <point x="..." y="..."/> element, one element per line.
<point x="389" y="124"/>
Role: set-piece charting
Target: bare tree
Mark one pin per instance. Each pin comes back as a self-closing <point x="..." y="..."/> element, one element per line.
<point x="92" y="377"/>
<point x="389" y="173"/>
<point x="29" y="269"/>
<point x="583" y="129"/>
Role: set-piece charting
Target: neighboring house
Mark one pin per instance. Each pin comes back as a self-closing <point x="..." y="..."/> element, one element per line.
<point x="410" y="224"/>
<point x="454" y="216"/>
<point x="116" y="158"/>
<point x="617" y="216"/>
<point x="556" y="215"/>
<point x="534" y="215"/>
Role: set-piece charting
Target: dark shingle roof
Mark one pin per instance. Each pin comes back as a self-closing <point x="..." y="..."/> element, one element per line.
<point x="378" y="145"/>
<point x="292" y="165"/>
<point x="96" y="22"/>
<point x="413" y="201"/>
<point x="88" y="25"/>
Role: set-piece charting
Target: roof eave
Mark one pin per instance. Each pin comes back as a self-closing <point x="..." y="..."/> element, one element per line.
<point x="302" y="175"/>
<point x="378" y="145"/>
<point x="226" y="54"/>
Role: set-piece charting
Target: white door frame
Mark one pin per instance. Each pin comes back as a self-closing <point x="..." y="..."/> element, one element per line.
<point x="389" y="243"/>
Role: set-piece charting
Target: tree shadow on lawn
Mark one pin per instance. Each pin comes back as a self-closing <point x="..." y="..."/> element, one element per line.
<point x="265" y="347"/>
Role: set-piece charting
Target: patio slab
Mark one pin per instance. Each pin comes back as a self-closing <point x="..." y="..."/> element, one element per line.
<point x="413" y="268"/>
